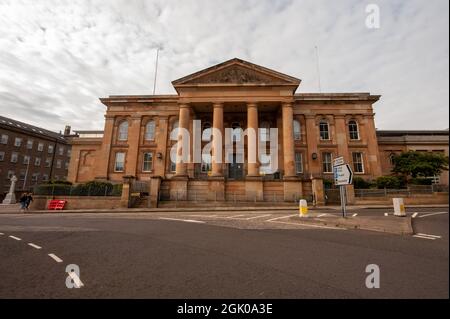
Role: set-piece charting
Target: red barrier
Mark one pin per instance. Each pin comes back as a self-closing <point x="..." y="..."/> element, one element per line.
<point x="56" y="204"/>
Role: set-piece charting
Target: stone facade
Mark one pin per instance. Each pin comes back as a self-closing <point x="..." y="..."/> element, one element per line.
<point x="313" y="129"/>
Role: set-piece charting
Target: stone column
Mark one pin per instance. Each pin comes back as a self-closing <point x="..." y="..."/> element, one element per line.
<point x="11" y="196"/>
<point x="133" y="145"/>
<point x="161" y="142"/>
<point x="288" y="140"/>
<point x="183" y="123"/>
<point x="217" y="142"/>
<point x="252" y="144"/>
<point x="104" y="155"/>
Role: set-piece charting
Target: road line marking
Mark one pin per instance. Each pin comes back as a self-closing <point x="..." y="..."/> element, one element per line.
<point x="433" y="236"/>
<point x="14" y="237"/>
<point x="1" y="234"/>
<point x="414" y="215"/>
<point x="269" y="220"/>
<point x="76" y="280"/>
<point x="183" y="220"/>
<point x="432" y="214"/>
<point x="254" y="217"/>
<point x="235" y="216"/>
<point x="34" y="246"/>
<point x="424" y="237"/>
<point x="321" y="215"/>
<point x="386" y="214"/>
<point x="202" y="215"/>
<point x="56" y="258"/>
<point x="306" y="225"/>
<point x="355" y="214"/>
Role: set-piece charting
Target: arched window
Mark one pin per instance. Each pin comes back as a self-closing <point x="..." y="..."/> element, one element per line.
<point x="324" y="130"/>
<point x="264" y="132"/>
<point x="353" y="130"/>
<point x="174" y="131"/>
<point x="297" y="130"/>
<point x="123" y="131"/>
<point x="206" y="133"/>
<point x="150" y="131"/>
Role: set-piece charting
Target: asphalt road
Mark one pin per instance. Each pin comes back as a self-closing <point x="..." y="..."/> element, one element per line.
<point x="218" y="255"/>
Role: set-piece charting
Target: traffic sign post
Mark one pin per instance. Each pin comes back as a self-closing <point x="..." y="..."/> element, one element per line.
<point x="343" y="175"/>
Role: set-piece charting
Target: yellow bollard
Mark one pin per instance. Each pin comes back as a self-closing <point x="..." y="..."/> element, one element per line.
<point x="303" y="208"/>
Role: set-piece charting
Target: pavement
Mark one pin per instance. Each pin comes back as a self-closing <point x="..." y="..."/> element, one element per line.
<point x="257" y="254"/>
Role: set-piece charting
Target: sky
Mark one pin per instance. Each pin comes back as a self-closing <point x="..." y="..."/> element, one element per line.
<point x="57" y="58"/>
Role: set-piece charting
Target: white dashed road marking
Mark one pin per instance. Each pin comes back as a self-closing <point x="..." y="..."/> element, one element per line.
<point x="183" y="220"/>
<point x="428" y="235"/>
<point x="432" y="214"/>
<point x="56" y="258"/>
<point x="282" y="217"/>
<point x="34" y="246"/>
<point x="424" y="237"/>
<point x="414" y="215"/>
<point x="1" y="234"/>
<point x="386" y="214"/>
<point x="355" y="214"/>
<point x="321" y="215"/>
<point x="14" y="237"/>
<point x="254" y="217"/>
<point x="235" y="216"/>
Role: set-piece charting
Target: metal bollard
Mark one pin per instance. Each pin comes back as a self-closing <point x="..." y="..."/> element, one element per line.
<point x="399" y="207"/>
<point x="303" y="208"/>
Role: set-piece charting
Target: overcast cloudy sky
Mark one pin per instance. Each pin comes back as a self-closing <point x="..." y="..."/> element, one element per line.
<point x="58" y="57"/>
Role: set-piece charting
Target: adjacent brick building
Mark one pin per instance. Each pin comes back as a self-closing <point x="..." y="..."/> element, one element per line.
<point x="33" y="154"/>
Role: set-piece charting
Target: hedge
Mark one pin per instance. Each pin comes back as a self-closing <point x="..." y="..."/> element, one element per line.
<point x="93" y="188"/>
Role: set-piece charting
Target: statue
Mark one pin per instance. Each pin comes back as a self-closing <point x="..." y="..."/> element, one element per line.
<point x="11" y="197"/>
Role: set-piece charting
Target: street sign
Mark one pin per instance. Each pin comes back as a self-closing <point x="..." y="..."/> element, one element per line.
<point x="343" y="175"/>
<point x="338" y="161"/>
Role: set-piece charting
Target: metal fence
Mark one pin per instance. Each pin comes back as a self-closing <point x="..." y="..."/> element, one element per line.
<point x="232" y="197"/>
<point x="408" y="192"/>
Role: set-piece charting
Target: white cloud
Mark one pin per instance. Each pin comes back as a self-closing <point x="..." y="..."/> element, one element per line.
<point x="57" y="58"/>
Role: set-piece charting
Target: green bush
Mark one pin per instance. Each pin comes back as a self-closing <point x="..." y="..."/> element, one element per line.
<point x="392" y="182"/>
<point x="361" y="183"/>
<point x="93" y="188"/>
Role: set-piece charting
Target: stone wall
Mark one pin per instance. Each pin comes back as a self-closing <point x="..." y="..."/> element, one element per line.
<point x="417" y="199"/>
<point x="78" y="202"/>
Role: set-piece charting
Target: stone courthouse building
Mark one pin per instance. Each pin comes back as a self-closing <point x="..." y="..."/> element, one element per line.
<point x="313" y="129"/>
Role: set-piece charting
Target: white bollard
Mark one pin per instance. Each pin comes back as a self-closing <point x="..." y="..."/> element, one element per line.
<point x="399" y="207"/>
<point x="303" y="208"/>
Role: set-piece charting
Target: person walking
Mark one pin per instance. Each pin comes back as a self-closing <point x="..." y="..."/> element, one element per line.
<point x="29" y="200"/>
<point x="23" y="201"/>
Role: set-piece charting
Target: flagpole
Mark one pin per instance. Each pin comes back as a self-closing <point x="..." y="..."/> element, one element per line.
<point x="156" y="71"/>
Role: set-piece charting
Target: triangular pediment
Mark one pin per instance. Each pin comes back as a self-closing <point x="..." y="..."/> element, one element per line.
<point x="236" y="72"/>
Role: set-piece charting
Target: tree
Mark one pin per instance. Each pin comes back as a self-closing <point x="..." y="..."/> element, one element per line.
<point x="420" y="164"/>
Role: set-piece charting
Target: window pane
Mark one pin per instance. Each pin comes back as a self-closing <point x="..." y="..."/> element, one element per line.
<point x="324" y="132"/>
<point x="120" y="162"/>
<point x="353" y="130"/>
<point x="150" y="131"/>
<point x="297" y="130"/>
<point x="123" y="131"/>
<point x="148" y="162"/>
<point x="358" y="165"/>
<point x="327" y="163"/>
<point x="298" y="163"/>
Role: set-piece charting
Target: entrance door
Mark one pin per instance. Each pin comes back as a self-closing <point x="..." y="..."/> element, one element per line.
<point x="235" y="169"/>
